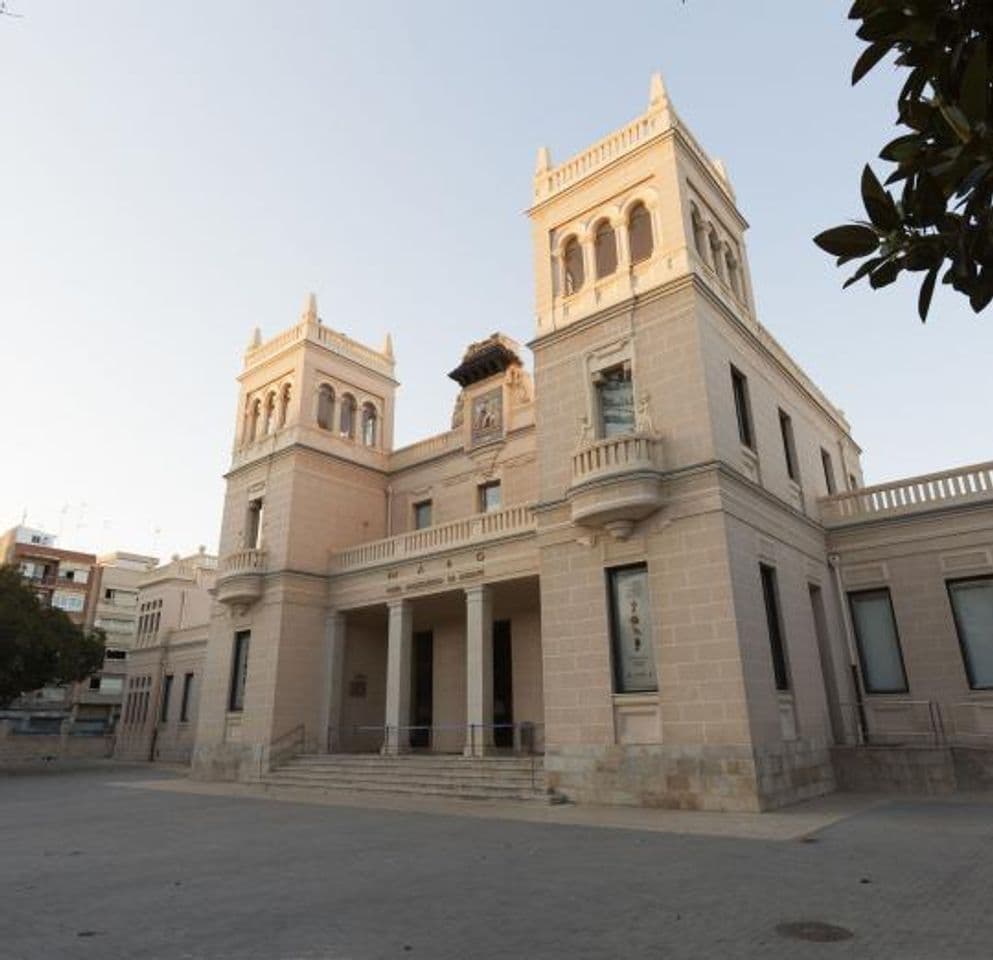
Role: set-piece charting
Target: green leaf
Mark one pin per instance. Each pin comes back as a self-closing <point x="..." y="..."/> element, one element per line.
<point x="849" y="240"/>
<point x="975" y="84"/>
<point x="883" y="276"/>
<point x="878" y="203"/>
<point x="929" y="201"/>
<point x="926" y="292"/>
<point x="902" y="148"/>
<point x="862" y="271"/>
<point x="869" y="58"/>
<point x="881" y="26"/>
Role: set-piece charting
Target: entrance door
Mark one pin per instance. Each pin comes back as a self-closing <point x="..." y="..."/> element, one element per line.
<point x="827" y="663"/>
<point x="422" y="678"/>
<point x="503" y="686"/>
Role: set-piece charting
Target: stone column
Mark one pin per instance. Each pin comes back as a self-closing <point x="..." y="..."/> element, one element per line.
<point x="398" y="657"/>
<point x="329" y="735"/>
<point x="479" y="670"/>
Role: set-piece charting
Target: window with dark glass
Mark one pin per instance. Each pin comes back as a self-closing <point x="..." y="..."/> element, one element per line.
<point x="742" y="409"/>
<point x="640" y="240"/>
<point x="972" y="608"/>
<point x="253" y="524"/>
<point x="615" y="401"/>
<point x="572" y="266"/>
<point x="878" y="641"/>
<point x="828" y="472"/>
<point x="166" y="697"/>
<point x="239" y="670"/>
<point x="325" y="407"/>
<point x="369" y="418"/>
<point x="605" y="245"/>
<point x="347" y="419"/>
<point x="631" y="634"/>
<point x="774" y="622"/>
<point x="422" y="514"/>
<point x="853" y="484"/>
<point x="184" y="705"/>
<point x="489" y="496"/>
<point x="789" y="448"/>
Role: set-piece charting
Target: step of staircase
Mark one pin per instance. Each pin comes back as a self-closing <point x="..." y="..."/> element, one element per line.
<point x="489" y="778"/>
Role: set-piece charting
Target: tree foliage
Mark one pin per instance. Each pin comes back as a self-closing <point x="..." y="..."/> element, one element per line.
<point x="39" y="645"/>
<point x="942" y="217"/>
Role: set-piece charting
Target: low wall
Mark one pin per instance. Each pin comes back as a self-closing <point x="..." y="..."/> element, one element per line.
<point x="913" y="769"/>
<point x="17" y="749"/>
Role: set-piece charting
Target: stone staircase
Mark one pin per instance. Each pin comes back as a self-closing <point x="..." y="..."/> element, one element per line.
<point x="417" y="775"/>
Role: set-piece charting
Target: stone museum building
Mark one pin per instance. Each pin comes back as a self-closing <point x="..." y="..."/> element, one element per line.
<point x="652" y="563"/>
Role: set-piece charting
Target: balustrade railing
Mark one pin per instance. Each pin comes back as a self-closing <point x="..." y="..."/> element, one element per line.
<point x="913" y="495"/>
<point x="242" y="561"/>
<point x="632" y="451"/>
<point x="477" y="529"/>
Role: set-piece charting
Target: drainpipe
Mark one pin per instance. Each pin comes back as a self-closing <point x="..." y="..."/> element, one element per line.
<point x="834" y="562"/>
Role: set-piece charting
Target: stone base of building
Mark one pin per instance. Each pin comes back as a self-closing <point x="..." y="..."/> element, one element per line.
<point x="727" y="778"/>
<point x="913" y="769"/>
<point x="228" y="762"/>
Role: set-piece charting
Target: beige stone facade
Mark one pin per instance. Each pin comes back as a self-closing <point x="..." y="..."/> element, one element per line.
<point x="623" y="562"/>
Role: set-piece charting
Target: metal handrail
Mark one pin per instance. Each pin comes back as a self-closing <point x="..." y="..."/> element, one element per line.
<point x="468" y="728"/>
<point x="934" y="729"/>
<point x="299" y="738"/>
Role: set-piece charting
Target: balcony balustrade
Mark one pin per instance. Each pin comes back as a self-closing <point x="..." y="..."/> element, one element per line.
<point x="240" y="577"/>
<point x="933" y="491"/>
<point x="616" y="482"/>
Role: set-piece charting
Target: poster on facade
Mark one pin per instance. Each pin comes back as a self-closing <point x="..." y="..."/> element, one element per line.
<point x="487" y="416"/>
<point x="634" y="652"/>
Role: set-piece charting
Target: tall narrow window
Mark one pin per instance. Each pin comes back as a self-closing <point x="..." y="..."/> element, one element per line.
<point x="166" y="697"/>
<point x="972" y="607"/>
<point x="489" y="497"/>
<point x="270" y="414"/>
<point x="716" y="254"/>
<point x="640" y="240"/>
<point x="347" y="422"/>
<point x="828" y="472"/>
<point x="742" y="408"/>
<point x="325" y="407"/>
<point x="632" y="637"/>
<point x="253" y="421"/>
<point x="615" y="400"/>
<point x="774" y="621"/>
<point x="606" y="249"/>
<point x="734" y="278"/>
<point x="789" y="448"/>
<point x="284" y="405"/>
<point x="422" y="514"/>
<point x="699" y="234"/>
<point x="253" y="525"/>
<point x="239" y="670"/>
<point x="878" y="641"/>
<point x="368" y="425"/>
<point x="853" y="484"/>
<point x="572" y="266"/>
<point x="184" y="705"/>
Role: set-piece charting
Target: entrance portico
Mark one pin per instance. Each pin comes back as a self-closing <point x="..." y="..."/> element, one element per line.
<point x="452" y="672"/>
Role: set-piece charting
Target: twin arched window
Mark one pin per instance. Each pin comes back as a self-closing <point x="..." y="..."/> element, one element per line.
<point x="347" y="416"/>
<point x="270" y="414"/>
<point x="572" y="262"/>
<point x="641" y="244"/>
<point x="325" y="407"/>
<point x="347" y="419"/>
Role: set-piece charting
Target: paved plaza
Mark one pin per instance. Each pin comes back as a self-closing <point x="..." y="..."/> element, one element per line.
<point x="132" y="862"/>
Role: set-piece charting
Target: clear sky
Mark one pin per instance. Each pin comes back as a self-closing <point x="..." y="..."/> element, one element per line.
<point x="174" y="174"/>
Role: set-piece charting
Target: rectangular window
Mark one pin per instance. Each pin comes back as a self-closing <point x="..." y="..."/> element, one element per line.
<point x="253" y="525"/>
<point x="789" y="448"/>
<point x="422" y="514"/>
<point x="774" y="621"/>
<point x="742" y="408"/>
<point x="632" y="637"/>
<point x="878" y="641"/>
<point x="972" y="608"/>
<point x="489" y="497"/>
<point x="166" y="697"/>
<point x="615" y="400"/>
<point x="239" y="670"/>
<point x="828" y="472"/>
<point x="184" y="707"/>
<point x="853" y="484"/>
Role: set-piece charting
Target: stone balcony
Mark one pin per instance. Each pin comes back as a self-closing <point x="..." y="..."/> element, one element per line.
<point x="615" y="483"/>
<point x="484" y="528"/>
<point x="240" y="577"/>
<point x="933" y="491"/>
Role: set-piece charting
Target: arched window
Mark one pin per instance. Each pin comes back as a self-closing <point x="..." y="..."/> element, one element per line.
<point x="368" y="424"/>
<point x="605" y="244"/>
<point x="572" y="266"/>
<point x="270" y="414"/>
<point x="253" y="421"/>
<point x="699" y="234"/>
<point x="734" y="278"/>
<point x="325" y="407"/>
<point x="716" y="257"/>
<point x="284" y="405"/>
<point x="640" y="241"/>
<point x="347" y="423"/>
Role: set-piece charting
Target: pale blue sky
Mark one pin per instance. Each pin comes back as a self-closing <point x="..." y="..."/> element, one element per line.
<point x="174" y="174"/>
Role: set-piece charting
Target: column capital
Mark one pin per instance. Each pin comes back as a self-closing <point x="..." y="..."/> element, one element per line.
<point x="477" y="591"/>
<point x="397" y="603"/>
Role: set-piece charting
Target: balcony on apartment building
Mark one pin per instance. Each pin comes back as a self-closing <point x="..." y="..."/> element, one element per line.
<point x="955" y="488"/>
<point x="240" y="576"/>
<point x="616" y="481"/>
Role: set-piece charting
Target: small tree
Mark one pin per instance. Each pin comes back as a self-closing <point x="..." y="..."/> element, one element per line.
<point x="40" y="645"/>
<point x="943" y="216"/>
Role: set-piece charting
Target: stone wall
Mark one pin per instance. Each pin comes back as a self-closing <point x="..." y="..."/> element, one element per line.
<point x="16" y="749"/>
